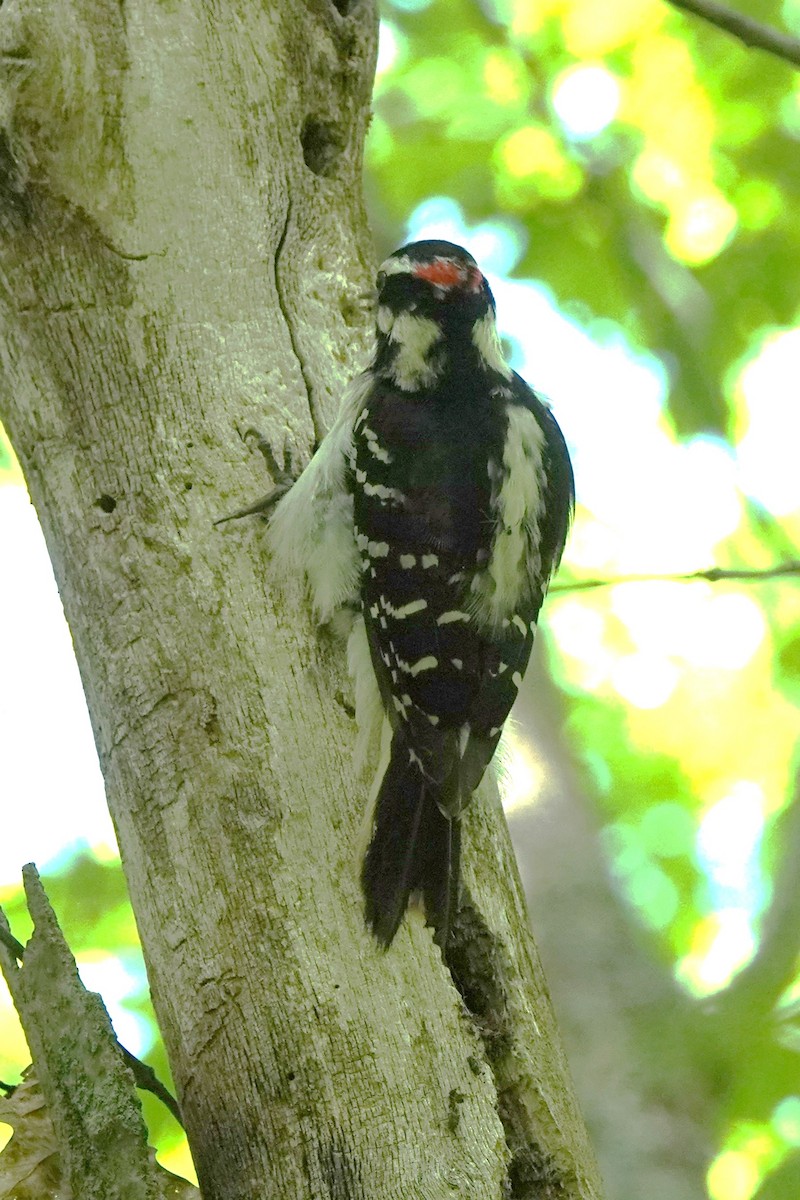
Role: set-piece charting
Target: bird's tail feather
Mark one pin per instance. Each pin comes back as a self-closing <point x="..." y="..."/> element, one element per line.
<point x="414" y="848"/>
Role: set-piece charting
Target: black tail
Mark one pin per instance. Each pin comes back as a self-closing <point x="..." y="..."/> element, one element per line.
<point x="414" y="848"/>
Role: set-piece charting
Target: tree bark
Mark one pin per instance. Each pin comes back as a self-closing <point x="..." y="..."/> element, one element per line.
<point x="183" y="254"/>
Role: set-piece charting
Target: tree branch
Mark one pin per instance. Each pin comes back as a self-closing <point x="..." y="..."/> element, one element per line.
<point x="711" y="574"/>
<point x="752" y="33"/>
<point x="97" y="1119"/>
<point x="11" y="944"/>
<point x="143" y="1073"/>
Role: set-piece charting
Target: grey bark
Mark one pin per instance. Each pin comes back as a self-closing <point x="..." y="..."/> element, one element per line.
<point x="183" y="254"/>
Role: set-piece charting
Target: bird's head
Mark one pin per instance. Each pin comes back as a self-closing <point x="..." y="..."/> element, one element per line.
<point x="435" y="314"/>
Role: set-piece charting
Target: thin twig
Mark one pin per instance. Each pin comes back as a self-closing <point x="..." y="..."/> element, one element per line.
<point x="752" y="33"/>
<point x="11" y="944"/>
<point x="146" y="1079"/>
<point x="712" y="575"/>
<point x="143" y="1074"/>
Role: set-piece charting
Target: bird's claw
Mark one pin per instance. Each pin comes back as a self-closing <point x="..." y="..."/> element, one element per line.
<point x="261" y="507"/>
<point x="284" y="479"/>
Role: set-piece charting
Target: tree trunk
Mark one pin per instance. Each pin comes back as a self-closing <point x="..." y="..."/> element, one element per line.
<point x="183" y="254"/>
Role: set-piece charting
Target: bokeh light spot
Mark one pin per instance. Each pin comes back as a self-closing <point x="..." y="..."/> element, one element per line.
<point x="592" y="29"/>
<point x="435" y="86"/>
<point x="721" y="943"/>
<point x="767" y="452"/>
<point x="388" y="48"/>
<point x="786" y="1120"/>
<point x="645" y="680"/>
<point x="520" y="774"/>
<point x="410" y="5"/>
<point x="758" y="203"/>
<point x="503" y="77"/>
<point x="654" y="894"/>
<point x="668" y="830"/>
<point x="648" y="887"/>
<point x="533" y="153"/>
<point x="531" y="150"/>
<point x="586" y="100"/>
<point x="728" y="840"/>
<point x="700" y="228"/>
<point x="733" y="1175"/>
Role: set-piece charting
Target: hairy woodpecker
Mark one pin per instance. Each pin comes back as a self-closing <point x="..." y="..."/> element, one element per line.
<point x="436" y="509"/>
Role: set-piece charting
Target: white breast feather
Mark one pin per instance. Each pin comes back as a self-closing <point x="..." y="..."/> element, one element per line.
<point x="487" y="342"/>
<point x="514" y="560"/>
<point x="311" y="531"/>
<point x="413" y="366"/>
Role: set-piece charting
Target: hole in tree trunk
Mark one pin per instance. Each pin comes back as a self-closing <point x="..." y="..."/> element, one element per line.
<point x="322" y="145"/>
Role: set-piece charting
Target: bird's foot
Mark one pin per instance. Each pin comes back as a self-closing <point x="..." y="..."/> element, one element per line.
<point x="283" y="478"/>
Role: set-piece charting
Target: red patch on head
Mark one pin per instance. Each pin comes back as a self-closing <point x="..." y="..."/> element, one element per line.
<point x="474" y="280"/>
<point x="441" y="272"/>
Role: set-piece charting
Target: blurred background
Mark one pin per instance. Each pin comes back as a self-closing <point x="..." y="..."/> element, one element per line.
<point x="628" y="178"/>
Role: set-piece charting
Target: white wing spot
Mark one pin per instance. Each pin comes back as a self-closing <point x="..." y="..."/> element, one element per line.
<point x="458" y="663"/>
<point x="447" y="618"/>
<point x="373" y="445"/>
<point x="379" y="490"/>
<point x="520" y="624"/>
<point x="407" y="561"/>
<point x="407" y="610"/>
<point x="429" y="560"/>
<point x="429" y="663"/>
<point x="516" y="679"/>
<point x="378" y="549"/>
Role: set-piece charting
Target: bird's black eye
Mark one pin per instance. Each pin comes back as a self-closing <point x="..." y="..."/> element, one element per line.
<point x="380" y="279"/>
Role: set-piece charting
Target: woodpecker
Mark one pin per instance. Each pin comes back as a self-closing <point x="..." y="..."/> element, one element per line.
<point x="435" y="511"/>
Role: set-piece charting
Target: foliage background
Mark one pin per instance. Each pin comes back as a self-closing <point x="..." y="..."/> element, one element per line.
<point x="626" y="176"/>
